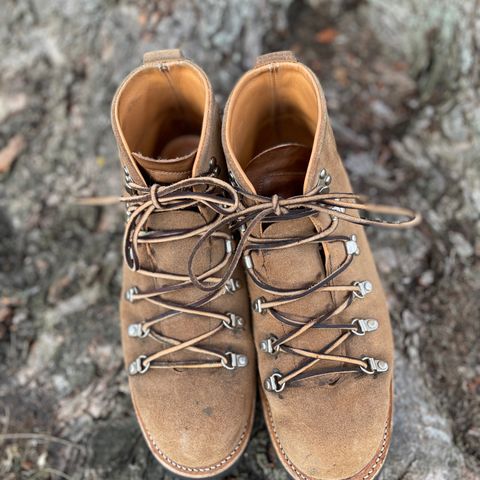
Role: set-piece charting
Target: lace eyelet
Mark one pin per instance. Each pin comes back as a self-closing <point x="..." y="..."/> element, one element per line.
<point x="351" y="246"/>
<point x="138" y="366"/>
<point x="237" y="360"/>
<point x="365" y="288"/>
<point x="324" y="181"/>
<point x="131" y="259"/>
<point x="374" y="366"/>
<point x="364" y="325"/>
<point x="135" y="330"/>
<point x="267" y="345"/>
<point x="271" y="383"/>
<point x="257" y="305"/>
<point x="232" y="285"/>
<point x="128" y="177"/>
<point x="235" y="323"/>
<point x="130" y="293"/>
<point x="213" y="168"/>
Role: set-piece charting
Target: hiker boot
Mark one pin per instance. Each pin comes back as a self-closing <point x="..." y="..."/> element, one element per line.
<point x="320" y="318"/>
<point x="188" y="352"/>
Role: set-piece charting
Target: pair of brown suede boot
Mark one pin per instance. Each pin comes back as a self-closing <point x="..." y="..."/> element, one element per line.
<point x="245" y="259"/>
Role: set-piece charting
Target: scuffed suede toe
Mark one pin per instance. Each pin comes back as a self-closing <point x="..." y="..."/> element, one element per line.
<point x="204" y="437"/>
<point x="328" y="455"/>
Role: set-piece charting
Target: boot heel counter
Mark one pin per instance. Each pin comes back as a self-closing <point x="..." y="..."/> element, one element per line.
<point x="156" y="56"/>
<point x="284" y="56"/>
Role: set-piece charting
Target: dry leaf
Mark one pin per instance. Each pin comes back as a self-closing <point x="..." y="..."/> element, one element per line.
<point x="142" y="19"/>
<point x="10" y="152"/>
<point x="341" y="76"/>
<point x="326" y="35"/>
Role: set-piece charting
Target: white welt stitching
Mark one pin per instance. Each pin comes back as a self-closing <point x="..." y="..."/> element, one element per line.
<point x="379" y="457"/>
<point x="199" y="469"/>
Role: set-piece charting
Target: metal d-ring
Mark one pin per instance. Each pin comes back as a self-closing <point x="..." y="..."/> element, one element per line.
<point x="136" y="330"/>
<point x="237" y="360"/>
<point x="267" y="345"/>
<point x="137" y="366"/>
<point x="213" y="168"/>
<point x="324" y="181"/>
<point x="235" y="322"/>
<point x="364" y="325"/>
<point x="271" y="383"/>
<point x="374" y="366"/>
<point x="258" y="305"/>
<point x="232" y="285"/>
<point x="365" y="287"/>
<point x="130" y="293"/>
<point x="351" y="246"/>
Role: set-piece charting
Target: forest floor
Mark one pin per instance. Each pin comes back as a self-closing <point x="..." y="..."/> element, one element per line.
<point x="65" y="410"/>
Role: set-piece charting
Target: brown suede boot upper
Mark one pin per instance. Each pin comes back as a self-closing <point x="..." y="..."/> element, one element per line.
<point x="320" y="320"/>
<point x="189" y="353"/>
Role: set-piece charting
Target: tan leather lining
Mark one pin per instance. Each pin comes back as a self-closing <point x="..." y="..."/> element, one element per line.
<point x="168" y="99"/>
<point x="274" y="105"/>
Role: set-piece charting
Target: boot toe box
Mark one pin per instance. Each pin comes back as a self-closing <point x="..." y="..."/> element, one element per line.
<point x="194" y="425"/>
<point x="337" y="442"/>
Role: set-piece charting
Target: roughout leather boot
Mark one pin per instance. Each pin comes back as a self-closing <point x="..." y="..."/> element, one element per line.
<point x="189" y="353"/>
<point x="320" y="320"/>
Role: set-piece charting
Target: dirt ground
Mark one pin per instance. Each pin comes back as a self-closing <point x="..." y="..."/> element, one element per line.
<point x="402" y="84"/>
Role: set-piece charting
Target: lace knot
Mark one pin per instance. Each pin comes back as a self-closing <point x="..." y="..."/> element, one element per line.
<point x="276" y="206"/>
<point x="154" y="189"/>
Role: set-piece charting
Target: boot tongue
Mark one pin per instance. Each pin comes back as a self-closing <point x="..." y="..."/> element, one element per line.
<point x="279" y="170"/>
<point x="298" y="256"/>
<point x="174" y="163"/>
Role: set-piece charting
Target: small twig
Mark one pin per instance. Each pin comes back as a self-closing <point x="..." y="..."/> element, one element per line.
<point x="9" y="153"/>
<point x="97" y="201"/>
<point x="42" y="437"/>
<point x="7" y="419"/>
<point x="58" y="473"/>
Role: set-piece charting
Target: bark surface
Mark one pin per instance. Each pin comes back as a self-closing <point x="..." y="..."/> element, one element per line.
<point x="402" y="84"/>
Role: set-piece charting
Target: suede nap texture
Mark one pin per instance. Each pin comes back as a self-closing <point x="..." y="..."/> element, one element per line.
<point x="322" y="429"/>
<point x="197" y="422"/>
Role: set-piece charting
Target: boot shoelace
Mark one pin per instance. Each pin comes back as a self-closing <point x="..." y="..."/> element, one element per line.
<point x="267" y="210"/>
<point x="142" y="202"/>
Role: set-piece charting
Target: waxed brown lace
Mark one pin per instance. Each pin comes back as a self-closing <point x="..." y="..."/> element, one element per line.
<point x="256" y="210"/>
<point x="142" y="202"/>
